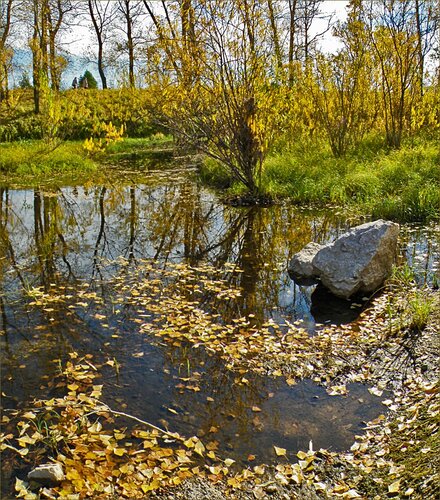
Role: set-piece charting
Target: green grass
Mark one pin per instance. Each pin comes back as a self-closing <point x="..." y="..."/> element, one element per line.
<point x="39" y="158"/>
<point x="401" y="185"/>
<point x="214" y="174"/>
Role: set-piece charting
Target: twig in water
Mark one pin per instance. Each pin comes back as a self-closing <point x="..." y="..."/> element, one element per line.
<point x="107" y="408"/>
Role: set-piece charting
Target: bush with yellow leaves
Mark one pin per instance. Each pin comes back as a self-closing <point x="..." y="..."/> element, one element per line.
<point x="103" y="135"/>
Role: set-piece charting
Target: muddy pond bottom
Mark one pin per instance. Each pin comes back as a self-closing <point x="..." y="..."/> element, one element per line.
<point x="240" y="416"/>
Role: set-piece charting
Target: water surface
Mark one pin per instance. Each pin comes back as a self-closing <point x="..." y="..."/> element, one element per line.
<point x="65" y="238"/>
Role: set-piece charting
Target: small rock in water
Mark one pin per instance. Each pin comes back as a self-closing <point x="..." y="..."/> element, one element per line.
<point x="47" y="473"/>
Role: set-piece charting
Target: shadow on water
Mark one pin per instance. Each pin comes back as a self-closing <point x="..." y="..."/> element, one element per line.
<point x="326" y="308"/>
<point x="58" y="240"/>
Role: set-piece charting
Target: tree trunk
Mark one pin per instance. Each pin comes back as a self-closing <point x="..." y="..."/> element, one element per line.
<point x="420" y="47"/>
<point x="36" y="67"/>
<point x="4" y="77"/>
<point x="98" y="30"/>
<point x="130" y="45"/>
<point x="275" y="35"/>
<point x="101" y="63"/>
<point x="292" y="30"/>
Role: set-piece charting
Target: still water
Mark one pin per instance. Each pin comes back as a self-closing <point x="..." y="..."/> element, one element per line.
<point x="65" y="238"/>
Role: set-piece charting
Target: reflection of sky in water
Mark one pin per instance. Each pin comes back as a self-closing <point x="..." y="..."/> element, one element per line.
<point x="421" y="248"/>
<point x="168" y="223"/>
<point x="62" y="237"/>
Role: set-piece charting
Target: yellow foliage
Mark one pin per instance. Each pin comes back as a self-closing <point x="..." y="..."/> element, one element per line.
<point x="104" y="134"/>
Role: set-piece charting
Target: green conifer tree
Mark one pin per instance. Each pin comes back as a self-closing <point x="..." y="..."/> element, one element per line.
<point x="91" y="81"/>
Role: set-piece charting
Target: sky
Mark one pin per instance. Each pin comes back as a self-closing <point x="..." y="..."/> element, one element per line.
<point x="81" y="36"/>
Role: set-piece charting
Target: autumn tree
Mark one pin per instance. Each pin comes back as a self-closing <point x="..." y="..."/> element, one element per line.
<point x="400" y="41"/>
<point x="38" y="45"/>
<point x="102" y="14"/>
<point x="47" y="21"/>
<point x="57" y="12"/>
<point x="228" y="109"/>
<point x="129" y="25"/>
<point x="178" y="45"/>
<point x="6" y="10"/>
<point x="307" y="12"/>
<point x="342" y="84"/>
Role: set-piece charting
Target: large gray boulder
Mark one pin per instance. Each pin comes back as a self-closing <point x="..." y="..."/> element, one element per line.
<point x="301" y="268"/>
<point x="360" y="260"/>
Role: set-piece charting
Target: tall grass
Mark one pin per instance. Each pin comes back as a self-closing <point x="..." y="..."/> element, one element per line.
<point x="401" y="185"/>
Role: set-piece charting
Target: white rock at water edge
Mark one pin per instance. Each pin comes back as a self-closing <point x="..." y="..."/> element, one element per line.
<point x="47" y="473"/>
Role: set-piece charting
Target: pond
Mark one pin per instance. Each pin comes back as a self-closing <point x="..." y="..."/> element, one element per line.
<point x="74" y="241"/>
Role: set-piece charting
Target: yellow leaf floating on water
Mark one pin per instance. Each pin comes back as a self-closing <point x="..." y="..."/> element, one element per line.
<point x="30" y="415"/>
<point x="95" y="427"/>
<point x="215" y="469"/>
<point x="189" y="443"/>
<point x="199" y="448"/>
<point x="119" y="451"/>
<point x="233" y="482"/>
<point x="281" y="452"/>
<point x="336" y="390"/>
<point x="259" y="469"/>
<point x="375" y="391"/>
<point x="352" y="494"/>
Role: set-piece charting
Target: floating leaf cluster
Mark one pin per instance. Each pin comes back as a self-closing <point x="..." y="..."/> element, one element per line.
<point x="99" y="459"/>
<point x="197" y="307"/>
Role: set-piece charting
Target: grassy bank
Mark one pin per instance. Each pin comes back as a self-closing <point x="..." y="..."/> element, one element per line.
<point x="74" y="114"/>
<point x="41" y="158"/>
<point x="37" y="163"/>
<point x="402" y="185"/>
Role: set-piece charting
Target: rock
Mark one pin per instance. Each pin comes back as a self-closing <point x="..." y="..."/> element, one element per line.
<point x="271" y="488"/>
<point x="360" y="260"/>
<point x="47" y="474"/>
<point x="301" y="268"/>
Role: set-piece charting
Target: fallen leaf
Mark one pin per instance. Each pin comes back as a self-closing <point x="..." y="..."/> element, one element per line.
<point x="394" y="487"/>
<point x="281" y="452"/>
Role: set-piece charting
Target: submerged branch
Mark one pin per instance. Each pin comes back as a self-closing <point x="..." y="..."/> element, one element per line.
<point x="107" y="408"/>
